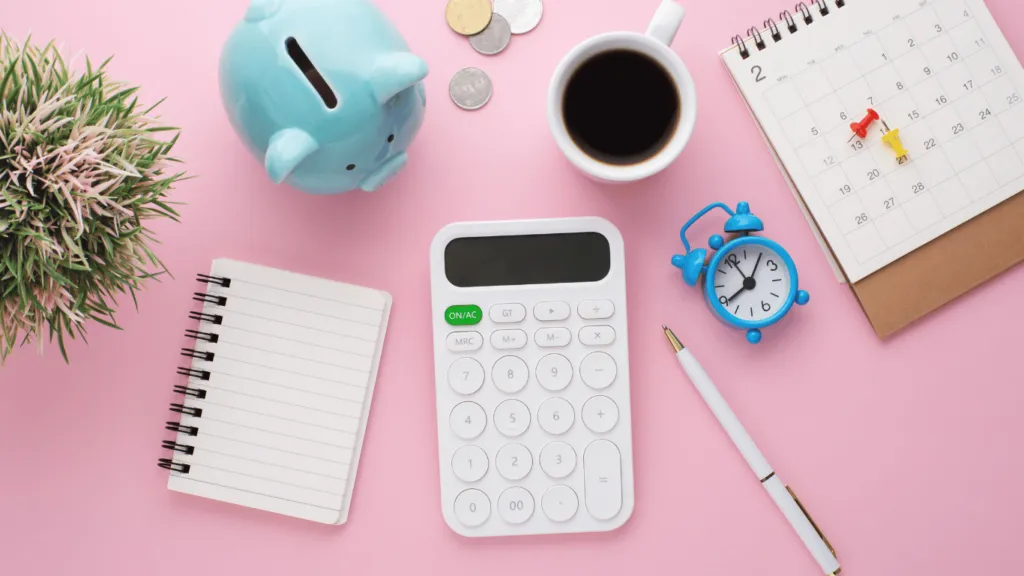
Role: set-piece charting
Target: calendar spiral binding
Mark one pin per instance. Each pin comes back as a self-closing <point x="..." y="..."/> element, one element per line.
<point x="787" y="21"/>
<point x="191" y="390"/>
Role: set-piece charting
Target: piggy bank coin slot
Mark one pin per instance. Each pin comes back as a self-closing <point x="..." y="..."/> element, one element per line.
<point x="298" y="56"/>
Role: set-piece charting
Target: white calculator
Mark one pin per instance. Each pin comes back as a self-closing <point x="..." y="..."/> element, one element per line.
<point x="531" y="365"/>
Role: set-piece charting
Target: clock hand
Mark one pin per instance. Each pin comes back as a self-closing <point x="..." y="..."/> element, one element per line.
<point x="738" y="292"/>
<point x="756" y="264"/>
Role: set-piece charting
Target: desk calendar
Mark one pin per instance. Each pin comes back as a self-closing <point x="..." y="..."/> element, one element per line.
<point x="938" y="70"/>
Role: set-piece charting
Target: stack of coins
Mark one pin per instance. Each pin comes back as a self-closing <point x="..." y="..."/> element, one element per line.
<point x="490" y="29"/>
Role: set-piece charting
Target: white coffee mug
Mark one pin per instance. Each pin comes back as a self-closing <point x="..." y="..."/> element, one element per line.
<point x="655" y="45"/>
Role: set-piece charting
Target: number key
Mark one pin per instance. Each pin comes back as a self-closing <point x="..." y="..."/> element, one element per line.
<point x="512" y="418"/>
<point x="558" y="460"/>
<point x="554" y="372"/>
<point x="466" y="376"/>
<point x="555" y="416"/>
<point x="515" y="505"/>
<point x="513" y="462"/>
<point x="468" y="420"/>
<point x="510" y="374"/>
<point x="472" y="508"/>
<point x="469" y="463"/>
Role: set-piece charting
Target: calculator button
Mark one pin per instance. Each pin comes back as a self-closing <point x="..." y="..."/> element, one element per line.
<point x="511" y="418"/>
<point x="597" y="335"/>
<point x="465" y="341"/>
<point x="466" y="376"/>
<point x="515" y="505"/>
<point x="507" y="313"/>
<point x="602" y="479"/>
<point x="513" y="461"/>
<point x="553" y="337"/>
<point x="508" y="339"/>
<point x="555" y="416"/>
<point x="551" y="311"/>
<point x="510" y="374"/>
<point x="463" y="315"/>
<point x="554" y="372"/>
<point x="598" y="370"/>
<point x="468" y="420"/>
<point x="469" y="463"/>
<point x="558" y="460"/>
<point x="472" y="507"/>
<point x="560" y="503"/>
<point x="600" y="414"/>
<point x="595" y="309"/>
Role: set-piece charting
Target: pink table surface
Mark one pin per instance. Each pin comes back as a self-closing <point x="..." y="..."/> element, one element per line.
<point x="907" y="451"/>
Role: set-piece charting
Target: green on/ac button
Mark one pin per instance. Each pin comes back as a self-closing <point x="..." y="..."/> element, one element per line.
<point x="463" y="315"/>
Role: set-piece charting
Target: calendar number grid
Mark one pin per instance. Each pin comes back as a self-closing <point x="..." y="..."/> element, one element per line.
<point x="931" y="74"/>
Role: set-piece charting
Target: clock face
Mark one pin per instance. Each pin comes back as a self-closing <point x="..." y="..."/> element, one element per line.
<point x="752" y="282"/>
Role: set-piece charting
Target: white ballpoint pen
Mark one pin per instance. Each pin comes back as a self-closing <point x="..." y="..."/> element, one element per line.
<point x="783" y="496"/>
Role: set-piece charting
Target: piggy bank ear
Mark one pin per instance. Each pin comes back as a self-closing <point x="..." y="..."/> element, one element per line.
<point x="287" y="149"/>
<point x="395" y="72"/>
<point x="262" y="9"/>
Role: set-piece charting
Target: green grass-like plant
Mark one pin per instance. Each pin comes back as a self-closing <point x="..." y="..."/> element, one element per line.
<point x="83" y="168"/>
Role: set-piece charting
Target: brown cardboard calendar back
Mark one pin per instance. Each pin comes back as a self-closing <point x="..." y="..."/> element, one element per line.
<point x="944" y="269"/>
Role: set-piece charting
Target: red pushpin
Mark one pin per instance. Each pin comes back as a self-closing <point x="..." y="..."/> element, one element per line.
<point x="861" y="128"/>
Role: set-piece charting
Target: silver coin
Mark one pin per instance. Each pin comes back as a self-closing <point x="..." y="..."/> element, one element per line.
<point x="522" y="15"/>
<point x="494" y="38"/>
<point x="470" y="88"/>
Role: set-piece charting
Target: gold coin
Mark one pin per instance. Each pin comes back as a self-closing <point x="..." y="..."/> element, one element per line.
<point x="468" y="17"/>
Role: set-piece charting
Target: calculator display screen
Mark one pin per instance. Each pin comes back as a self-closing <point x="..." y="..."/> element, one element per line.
<point x="531" y="259"/>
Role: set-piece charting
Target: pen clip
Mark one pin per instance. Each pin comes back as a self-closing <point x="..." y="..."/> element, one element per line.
<point x="813" y="523"/>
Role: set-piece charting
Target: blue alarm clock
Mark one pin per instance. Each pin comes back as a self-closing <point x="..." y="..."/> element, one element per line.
<point x="750" y="282"/>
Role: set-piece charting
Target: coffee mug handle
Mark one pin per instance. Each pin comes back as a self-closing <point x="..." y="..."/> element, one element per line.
<point x="666" y="22"/>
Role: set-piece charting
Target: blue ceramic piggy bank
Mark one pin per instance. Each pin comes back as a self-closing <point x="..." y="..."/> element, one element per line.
<point x="324" y="92"/>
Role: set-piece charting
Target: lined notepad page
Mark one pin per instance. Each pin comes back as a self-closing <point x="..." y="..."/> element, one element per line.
<point x="288" y="393"/>
<point x="938" y="70"/>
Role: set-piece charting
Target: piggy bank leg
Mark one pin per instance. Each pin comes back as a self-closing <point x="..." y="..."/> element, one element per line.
<point x="377" y="179"/>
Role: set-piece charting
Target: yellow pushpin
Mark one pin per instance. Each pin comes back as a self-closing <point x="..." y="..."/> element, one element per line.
<point x="892" y="138"/>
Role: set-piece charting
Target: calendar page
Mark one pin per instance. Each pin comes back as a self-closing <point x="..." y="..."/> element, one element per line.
<point x="939" y="71"/>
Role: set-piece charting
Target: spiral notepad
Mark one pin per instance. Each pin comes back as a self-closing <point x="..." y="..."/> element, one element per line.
<point x="939" y="71"/>
<point x="275" y="400"/>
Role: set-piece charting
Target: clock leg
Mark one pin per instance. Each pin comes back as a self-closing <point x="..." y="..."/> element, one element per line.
<point x="753" y="335"/>
<point x="802" y="297"/>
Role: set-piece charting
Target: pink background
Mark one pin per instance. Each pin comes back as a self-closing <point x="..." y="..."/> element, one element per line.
<point x="907" y="452"/>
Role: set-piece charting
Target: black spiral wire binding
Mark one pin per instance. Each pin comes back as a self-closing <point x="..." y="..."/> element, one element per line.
<point x="208" y="318"/>
<point x="203" y="336"/>
<point x="198" y="393"/>
<point x="754" y="33"/>
<point x="175" y="447"/>
<point x="193" y="373"/>
<point x="188" y="390"/>
<point x="179" y="427"/>
<point x="771" y="28"/>
<point x="224" y="282"/>
<point x="787" y="17"/>
<point x="737" y="40"/>
<point x="168" y="464"/>
<point x="198" y="354"/>
<point x="210" y="298"/>
<point x="804" y="11"/>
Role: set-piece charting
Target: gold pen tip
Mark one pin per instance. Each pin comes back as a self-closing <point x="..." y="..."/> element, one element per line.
<point x="676" y="344"/>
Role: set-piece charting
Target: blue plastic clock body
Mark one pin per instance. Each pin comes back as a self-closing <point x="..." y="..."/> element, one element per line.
<point x="740" y="225"/>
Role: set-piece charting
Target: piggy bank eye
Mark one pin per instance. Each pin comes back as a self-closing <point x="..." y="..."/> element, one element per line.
<point x="350" y="167"/>
<point x="391" y="138"/>
<point x="299" y="57"/>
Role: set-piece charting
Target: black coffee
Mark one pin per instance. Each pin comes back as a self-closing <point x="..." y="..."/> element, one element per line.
<point x="621" y="107"/>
